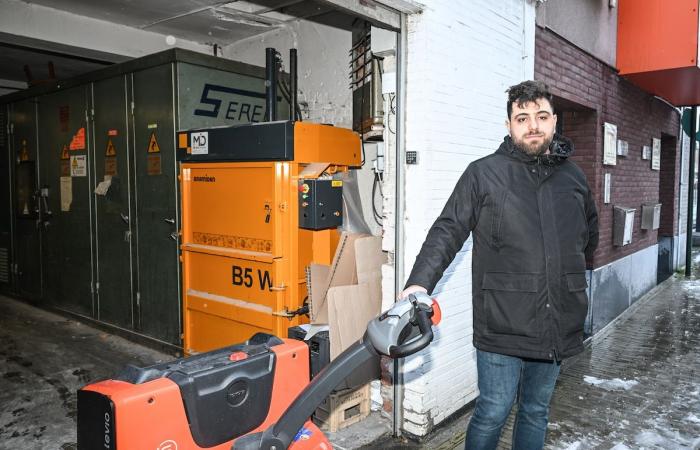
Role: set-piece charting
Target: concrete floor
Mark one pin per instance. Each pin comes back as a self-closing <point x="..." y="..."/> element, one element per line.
<point x="45" y="358"/>
<point x="636" y="386"/>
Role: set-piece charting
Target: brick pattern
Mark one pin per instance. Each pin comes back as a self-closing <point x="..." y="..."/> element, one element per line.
<point x="587" y="84"/>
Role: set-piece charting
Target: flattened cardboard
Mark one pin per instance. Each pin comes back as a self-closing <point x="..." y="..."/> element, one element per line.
<point x="342" y="273"/>
<point x="369" y="258"/>
<point x="350" y="309"/>
<point x="316" y="286"/>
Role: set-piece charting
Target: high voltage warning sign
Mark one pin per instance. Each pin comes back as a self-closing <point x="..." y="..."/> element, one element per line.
<point x="64" y="153"/>
<point x="111" y="151"/>
<point x="153" y="146"/>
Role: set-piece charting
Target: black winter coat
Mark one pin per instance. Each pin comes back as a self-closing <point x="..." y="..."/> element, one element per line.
<point x="534" y="222"/>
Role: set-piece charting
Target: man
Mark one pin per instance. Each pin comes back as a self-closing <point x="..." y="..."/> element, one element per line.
<point x="534" y="224"/>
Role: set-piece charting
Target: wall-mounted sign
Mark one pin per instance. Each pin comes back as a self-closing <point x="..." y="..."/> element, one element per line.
<point x="606" y="195"/>
<point x="646" y="152"/>
<point x="78" y="166"/>
<point x="622" y="148"/>
<point x="609" y="144"/>
<point x="656" y="154"/>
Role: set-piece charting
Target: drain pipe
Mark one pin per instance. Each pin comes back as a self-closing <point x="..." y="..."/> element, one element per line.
<point x="401" y="52"/>
<point x="691" y="192"/>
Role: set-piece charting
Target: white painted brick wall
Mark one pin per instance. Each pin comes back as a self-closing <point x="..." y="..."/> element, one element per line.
<point x="323" y="66"/>
<point x="461" y="58"/>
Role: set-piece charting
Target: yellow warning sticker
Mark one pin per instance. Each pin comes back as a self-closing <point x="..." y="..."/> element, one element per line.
<point x="336" y="183"/>
<point x="153" y="146"/>
<point x="24" y="153"/>
<point x="111" y="151"/>
<point x="64" y="153"/>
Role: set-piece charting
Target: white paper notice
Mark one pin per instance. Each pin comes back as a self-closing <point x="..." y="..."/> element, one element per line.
<point x="78" y="166"/>
<point x="66" y="193"/>
<point x="103" y="186"/>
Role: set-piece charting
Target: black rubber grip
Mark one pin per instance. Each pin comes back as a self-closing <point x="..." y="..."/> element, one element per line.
<point x="426" y="336"/>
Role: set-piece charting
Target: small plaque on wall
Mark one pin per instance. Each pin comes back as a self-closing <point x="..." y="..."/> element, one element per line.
<point x="646" y="152"/>
<point x="610" y="144"/>
<point x="656" y="154"/>
<point x="622" y="148"/>
<point x="606" y="192"/>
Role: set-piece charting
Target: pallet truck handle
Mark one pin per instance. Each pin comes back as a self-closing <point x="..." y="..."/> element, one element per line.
<point x="426" y="336"/>
<point x="403" y="330"/>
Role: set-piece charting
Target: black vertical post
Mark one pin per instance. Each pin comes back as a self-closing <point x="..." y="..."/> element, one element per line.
<point x="271" y="84"/>
<point x="691" y="192"/>
<point x="293" y="84"/>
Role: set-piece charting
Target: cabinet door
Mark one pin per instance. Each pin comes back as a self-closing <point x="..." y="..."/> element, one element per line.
<point x="113" y="214"/>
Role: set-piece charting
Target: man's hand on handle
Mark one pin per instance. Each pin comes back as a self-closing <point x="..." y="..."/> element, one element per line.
<point x="410" y="290"/>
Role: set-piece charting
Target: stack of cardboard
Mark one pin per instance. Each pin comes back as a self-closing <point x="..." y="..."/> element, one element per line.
<point x="347" y="294"/>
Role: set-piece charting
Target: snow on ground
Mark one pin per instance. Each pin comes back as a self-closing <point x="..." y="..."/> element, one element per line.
<point x="615" y="384"/>
<point x="620" y="446"/>
<point x="692" y="418"/>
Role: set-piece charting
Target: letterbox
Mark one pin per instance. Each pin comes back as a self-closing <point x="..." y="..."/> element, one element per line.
<point x="623" y="221"/>
<point x="651" y="216"/>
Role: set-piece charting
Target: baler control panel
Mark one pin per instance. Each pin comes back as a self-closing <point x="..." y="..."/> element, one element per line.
<point x="320" y="204"/>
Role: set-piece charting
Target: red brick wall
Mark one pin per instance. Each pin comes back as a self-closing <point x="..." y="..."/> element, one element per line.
<point x="591" y="93"/>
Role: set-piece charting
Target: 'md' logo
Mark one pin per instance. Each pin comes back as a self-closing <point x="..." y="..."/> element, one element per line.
<point x="200" y="143"/>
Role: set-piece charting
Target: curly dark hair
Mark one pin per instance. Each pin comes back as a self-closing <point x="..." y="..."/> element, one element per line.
<point x="527" y="91"/>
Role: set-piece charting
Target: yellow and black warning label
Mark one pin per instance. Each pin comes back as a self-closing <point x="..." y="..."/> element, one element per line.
<point x="153" y="146"/>
<point x="238" y="242"/>
<point x="64" y="153"/>
<point x="111" y="151"/>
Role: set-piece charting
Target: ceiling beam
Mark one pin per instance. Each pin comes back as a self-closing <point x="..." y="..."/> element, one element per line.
<point x="375" y="13"/>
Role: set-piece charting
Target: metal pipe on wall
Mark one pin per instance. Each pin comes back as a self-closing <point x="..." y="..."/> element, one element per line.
<point x="401" y="53"/>
<point x="293" y="84"/>
<point x="691" y="191"/>
<point x="271" y="66"/>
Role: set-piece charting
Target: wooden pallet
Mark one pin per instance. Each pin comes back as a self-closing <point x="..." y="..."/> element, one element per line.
<point x="343" y="408"/>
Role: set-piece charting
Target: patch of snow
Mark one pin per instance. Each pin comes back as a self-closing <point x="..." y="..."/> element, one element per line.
<point x="615" y="384"/>
<point x="692" y="418"/>
<point x="620" y="446"/>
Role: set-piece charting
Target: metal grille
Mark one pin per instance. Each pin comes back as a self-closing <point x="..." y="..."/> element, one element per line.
<point x="4" y="266"/>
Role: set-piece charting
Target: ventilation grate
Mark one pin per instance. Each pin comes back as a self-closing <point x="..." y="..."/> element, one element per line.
<point x="4" y="266"/>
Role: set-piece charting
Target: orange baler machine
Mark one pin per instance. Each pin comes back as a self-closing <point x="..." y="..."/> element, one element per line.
<point x="245" y="243"/>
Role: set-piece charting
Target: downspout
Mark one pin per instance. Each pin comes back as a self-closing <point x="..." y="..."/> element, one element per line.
<point x="691" y="189"/>
<point x="401" y="46"/>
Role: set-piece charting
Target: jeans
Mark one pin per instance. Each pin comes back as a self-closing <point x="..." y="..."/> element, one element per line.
<point x="501" y="379"/>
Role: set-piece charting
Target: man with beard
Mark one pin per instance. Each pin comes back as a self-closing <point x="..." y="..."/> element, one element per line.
<point x="534" y="224"/>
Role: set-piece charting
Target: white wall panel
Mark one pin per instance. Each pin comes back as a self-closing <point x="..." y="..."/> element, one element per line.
<point x="462" y="56"/>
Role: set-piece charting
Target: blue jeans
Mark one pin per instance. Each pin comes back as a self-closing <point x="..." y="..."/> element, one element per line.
<point x="501" y="379"/>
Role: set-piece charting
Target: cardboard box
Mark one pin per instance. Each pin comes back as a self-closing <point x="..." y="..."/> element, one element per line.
<point x="351" y="294"/>
<point x="341" y="272"/>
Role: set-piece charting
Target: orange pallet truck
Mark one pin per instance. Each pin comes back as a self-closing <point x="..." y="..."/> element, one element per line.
<point x="255" y="395"/>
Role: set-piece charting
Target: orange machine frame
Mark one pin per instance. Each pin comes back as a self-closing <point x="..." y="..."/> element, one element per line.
<point x="243" y="253"/>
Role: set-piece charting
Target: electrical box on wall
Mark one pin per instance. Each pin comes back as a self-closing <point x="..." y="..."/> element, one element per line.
<point x="651" y="216"/>
<point x="623" y="221"/>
